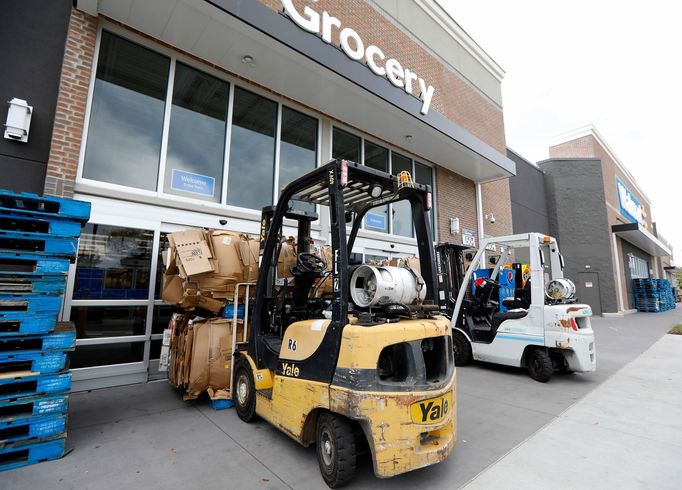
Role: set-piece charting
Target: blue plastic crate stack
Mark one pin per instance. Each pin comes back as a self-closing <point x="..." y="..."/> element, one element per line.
<point x="38" y="240"/>
<point x="653" y="295"/>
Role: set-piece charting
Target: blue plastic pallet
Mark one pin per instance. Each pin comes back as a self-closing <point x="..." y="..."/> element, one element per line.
<point x="34" y="285"/>
<point x="29" y="304"/>
<point x="63" y="338"/>
<point x="34" y="384"/>
<point x="20" y="454"/>
<point x="34" y="205"/>
<point x="51" y="226"/>
<point x="220" y="404"/>
<point x="14" y="324"/>
<point x="37" y="243"/>
<point x="22" y="362"/>
<point x="31" y="265"/>
<point x="27" y="407"/>
<point x="35" y="428"/>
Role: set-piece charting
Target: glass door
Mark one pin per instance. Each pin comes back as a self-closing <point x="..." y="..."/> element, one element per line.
<point x="108" y="300"/>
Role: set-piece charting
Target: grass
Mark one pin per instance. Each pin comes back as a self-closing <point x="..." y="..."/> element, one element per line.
<point x="677" y="329"/>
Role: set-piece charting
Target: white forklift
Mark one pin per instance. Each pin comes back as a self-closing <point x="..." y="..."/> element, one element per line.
<point x="522" y="312"/>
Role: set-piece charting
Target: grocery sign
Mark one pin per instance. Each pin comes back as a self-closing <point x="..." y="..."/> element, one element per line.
<point x="354" y="47"/>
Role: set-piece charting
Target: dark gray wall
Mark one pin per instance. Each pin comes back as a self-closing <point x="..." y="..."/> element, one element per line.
<point x="528" y="197"/>
<point x="629" y="248"/>
<point x="32" y="36"/>
<point x="578" y="219"/>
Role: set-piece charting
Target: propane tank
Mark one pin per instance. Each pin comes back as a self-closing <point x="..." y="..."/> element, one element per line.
<point x="560" y="289"/>
<point x="371" y="285"/>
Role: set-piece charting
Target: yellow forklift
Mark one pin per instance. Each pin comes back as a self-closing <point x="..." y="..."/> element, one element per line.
<point x="367" y="368"/>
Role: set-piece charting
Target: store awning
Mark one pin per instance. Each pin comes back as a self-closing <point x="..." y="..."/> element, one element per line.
<point x="293" y="62"/>
<point x="641" y="238"/>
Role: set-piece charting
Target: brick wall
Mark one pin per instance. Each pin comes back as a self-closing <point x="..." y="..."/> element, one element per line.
<point x="589" y="147"/>
<point x="455" y="198"/>
<point x="74" y="82"/>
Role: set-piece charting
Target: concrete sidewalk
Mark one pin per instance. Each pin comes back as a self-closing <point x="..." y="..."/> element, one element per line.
<point x="145" y="436"/>
<point x="625" y="434"/>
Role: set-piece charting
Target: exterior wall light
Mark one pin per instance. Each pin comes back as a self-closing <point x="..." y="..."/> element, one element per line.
<point x="454" y="226"/>
<point x="18" y="120"/>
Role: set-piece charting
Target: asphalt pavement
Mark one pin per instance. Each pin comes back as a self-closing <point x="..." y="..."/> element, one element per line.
<point x="145" y="436"/>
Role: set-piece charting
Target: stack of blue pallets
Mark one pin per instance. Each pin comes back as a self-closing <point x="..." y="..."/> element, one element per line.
<point x="38" y="240"/>
<point x="653" y="295"/>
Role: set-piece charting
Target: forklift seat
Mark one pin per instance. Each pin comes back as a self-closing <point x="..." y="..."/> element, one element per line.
<point x="522" y="298"/>
<point x="499" y="317"/>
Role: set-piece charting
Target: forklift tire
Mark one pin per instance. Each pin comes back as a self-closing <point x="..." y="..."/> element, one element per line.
<point x="336" y="450"/>
<point x="540" y="366"/>
<point x="461" y="348"/>
<point x="244" y="394"/>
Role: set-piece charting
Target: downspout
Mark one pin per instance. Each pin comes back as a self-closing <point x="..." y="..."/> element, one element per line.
<point x="479" y="216"/>
<point x="621" y="308"/>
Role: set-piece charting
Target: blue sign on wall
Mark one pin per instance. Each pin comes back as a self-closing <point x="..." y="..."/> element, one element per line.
<point x="194" y="183"/>
<point x="630" y="207"/>
<point x="377" y="221"/>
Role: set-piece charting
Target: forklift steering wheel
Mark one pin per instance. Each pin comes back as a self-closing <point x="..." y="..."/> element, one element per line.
<point x="309" y="262"/>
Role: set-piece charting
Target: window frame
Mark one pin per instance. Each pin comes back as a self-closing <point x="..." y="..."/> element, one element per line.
<point x="380" y="235"/>
<point x="110" y="189"/>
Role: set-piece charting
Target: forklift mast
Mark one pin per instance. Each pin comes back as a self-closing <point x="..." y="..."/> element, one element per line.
<point x="347" y="191"/>
<point x="450" y="269"/>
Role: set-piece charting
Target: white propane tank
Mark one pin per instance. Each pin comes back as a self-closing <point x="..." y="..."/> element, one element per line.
<point x="560" y="289"/>
<point x="371" y="285"/>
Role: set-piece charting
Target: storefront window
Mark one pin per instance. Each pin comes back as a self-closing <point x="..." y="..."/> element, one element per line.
<point x="196" y="138"/>
<point x="106" y="354"/>
<point x="108" y="321"/>
<point x="298" y="148"/>
<point x="252" y="151"/>
<point x="376" y="157"/>
<point x="126" y="116"/>
<point x="402" y="212"/>
<point x="346" y="146"/>
<point x="162" y="315"/>
<point x="113" y="263"/>
<point x="424" y="175"/>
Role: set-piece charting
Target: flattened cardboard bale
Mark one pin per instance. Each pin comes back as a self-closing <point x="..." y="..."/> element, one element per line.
<point x="172" y="290"/>
<point x="287" y="257"/>
<point x="411" y="262"/>
<point x="193" y="251"/>
<point x="248" y="253"/>
<point x="208" y="359"/>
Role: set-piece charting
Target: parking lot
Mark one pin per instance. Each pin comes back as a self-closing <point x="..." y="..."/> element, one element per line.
<point x="144" y="436"/>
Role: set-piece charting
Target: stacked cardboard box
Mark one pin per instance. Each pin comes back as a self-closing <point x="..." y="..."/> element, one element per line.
<point x="201" y="274"/>
<point x="38" y="239"/>
<point x="201" y="354"/>
<point x="202" y="268"/>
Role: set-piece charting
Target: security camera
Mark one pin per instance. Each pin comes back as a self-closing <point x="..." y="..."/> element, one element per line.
<point x="222" y="222"/>
<point x="490" y="217"/>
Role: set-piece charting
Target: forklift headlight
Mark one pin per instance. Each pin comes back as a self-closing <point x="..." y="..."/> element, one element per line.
<point x="375" y="191"/>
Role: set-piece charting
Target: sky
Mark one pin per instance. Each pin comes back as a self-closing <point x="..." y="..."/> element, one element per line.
<point x="617" y="65"/>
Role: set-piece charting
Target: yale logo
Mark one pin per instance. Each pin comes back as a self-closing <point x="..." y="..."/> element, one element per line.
<point x="432" y="410"/>
<point x="289" y="369"/>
